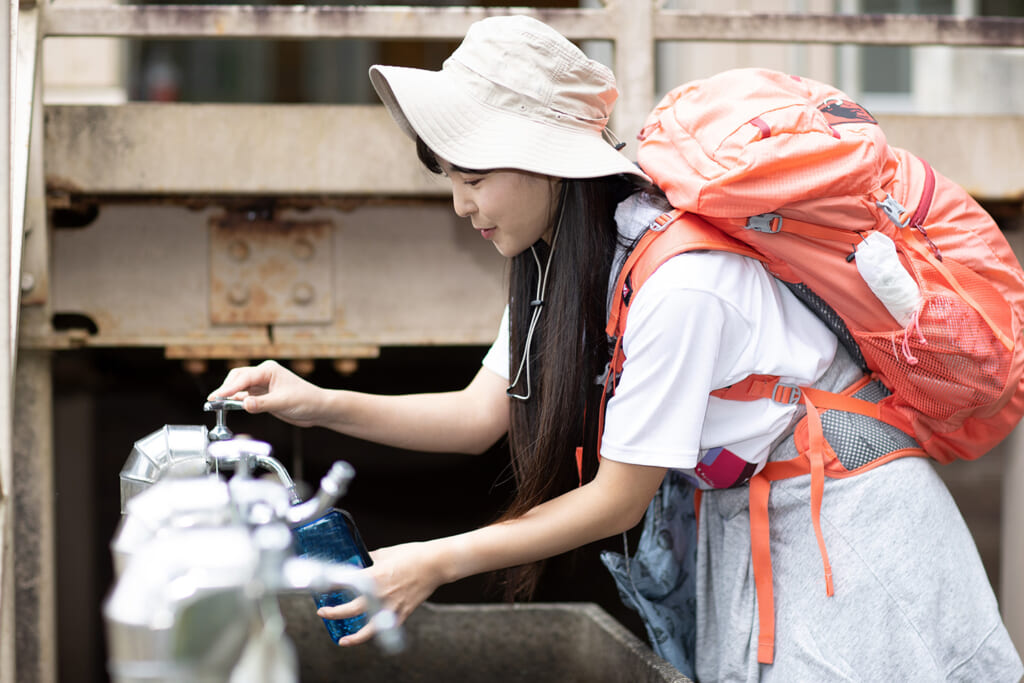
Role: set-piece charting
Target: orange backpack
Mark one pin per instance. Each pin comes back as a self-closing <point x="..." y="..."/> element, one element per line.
<point x="792" y="172"/>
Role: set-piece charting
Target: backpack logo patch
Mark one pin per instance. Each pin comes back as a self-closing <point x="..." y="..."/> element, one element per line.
<point x="838" y="111"/>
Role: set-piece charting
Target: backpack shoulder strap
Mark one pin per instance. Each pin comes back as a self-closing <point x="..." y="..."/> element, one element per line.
<point x="676" y="232"/>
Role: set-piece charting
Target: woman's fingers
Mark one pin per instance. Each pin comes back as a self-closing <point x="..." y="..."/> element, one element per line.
<point x="352" y="608"/>
<point x="241" y="383"/>
<point x="361" y="636"/>
<point x="236" y="382"/>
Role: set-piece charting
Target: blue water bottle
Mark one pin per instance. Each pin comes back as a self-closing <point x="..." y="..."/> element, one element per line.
<point x="334" y="538"/>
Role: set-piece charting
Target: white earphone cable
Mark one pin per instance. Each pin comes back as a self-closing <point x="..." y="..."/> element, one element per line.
<point x="537" y="304"/>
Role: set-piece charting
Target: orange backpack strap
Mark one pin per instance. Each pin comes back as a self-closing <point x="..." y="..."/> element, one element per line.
<point x="813" y="462"/>
<point x="673" y="232"/>
<point x="678" y="232"/>
<point x="770" y="386"/>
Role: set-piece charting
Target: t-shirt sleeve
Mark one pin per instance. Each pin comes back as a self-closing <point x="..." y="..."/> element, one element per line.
<point x="673" y="345"/>
<point x="496" y="359"/>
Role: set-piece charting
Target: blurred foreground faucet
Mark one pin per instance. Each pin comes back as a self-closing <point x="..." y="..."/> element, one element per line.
<point x="199" y="562"/>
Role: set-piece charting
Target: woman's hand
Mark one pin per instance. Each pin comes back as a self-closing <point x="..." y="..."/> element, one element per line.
<point x="271" y="388"/>
<point x="405" y="576"/>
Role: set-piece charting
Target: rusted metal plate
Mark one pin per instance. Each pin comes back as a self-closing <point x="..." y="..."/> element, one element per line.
<point x="409" y="275"/>
<point x="266" y="271"/>
<point x="403" y="275"/>
<point x="139" y="276"/>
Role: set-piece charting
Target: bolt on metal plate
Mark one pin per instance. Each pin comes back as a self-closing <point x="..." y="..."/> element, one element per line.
<point x="270" y="271"/>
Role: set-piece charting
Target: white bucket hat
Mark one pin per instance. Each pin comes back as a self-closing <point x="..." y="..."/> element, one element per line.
<point x="515" y="94"/>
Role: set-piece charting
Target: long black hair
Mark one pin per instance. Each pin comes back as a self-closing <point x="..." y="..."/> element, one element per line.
<point x="569" y="348"/>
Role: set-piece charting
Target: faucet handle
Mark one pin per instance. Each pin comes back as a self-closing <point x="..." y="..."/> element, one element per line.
<point x="220" y="406"/>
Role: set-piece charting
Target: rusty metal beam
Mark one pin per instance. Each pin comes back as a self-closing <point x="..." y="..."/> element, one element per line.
<point x="304" y="21"/>
<point x="176" y="149"/>
<point x="231" y="351"/>
<point x="437" y="23"/>
<point x="346" y="151"/>
<point x="861" y="29"/>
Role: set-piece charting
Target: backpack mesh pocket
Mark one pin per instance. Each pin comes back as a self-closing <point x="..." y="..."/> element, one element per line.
<point x="949" y="360"/>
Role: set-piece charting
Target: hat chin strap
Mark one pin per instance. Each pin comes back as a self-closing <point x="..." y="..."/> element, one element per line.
<point x="537" y="305"/>
<point x="612" y="139"/>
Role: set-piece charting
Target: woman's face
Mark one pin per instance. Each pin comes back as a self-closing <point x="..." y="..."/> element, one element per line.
<point x="511" y="208"/>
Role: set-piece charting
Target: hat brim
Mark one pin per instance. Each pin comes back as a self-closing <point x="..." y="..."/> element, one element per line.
<point x="472" y="134"/>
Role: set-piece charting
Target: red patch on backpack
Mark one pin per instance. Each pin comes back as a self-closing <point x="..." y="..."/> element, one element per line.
<point x="839" y="111"/>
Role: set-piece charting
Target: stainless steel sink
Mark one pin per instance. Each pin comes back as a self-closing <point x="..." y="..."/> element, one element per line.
<point x="528" y="643"/>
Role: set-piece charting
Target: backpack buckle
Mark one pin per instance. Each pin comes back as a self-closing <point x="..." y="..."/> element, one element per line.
<point x="765" y="222"/>
<point x="894" y="210"/>
<point x="789" y="394"/>
<point x="661" y="223"/>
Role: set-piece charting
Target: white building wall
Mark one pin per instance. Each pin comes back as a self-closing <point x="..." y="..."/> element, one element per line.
<point x="83" y="70"/>
<point x="680" y="62"/>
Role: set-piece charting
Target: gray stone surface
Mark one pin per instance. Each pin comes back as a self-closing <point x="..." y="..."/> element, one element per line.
<point x="531" y="643"/>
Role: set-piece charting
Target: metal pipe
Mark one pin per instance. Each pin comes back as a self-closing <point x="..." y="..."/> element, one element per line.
<point x="7" y="344"/>
<point x="273" y="465"/>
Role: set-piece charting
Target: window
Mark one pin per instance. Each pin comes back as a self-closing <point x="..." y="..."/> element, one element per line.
<point x="886" y="70"/>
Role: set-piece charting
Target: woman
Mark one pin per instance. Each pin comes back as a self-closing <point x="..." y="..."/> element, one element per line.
<point x="517" y="120"/>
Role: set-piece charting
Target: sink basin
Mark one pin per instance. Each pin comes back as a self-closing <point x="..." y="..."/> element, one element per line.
<point x="528" y="643"/>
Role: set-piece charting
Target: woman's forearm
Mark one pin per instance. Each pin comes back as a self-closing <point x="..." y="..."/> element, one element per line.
<point x="408" y="574"/>
<point x="466" y="421"/>
<point x="612" y="503"/>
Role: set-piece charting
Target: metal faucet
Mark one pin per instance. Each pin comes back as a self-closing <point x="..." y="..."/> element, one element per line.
<point x="199" y="563"/>
<point x="183" y="451"/>
<point x="246" y="456"/>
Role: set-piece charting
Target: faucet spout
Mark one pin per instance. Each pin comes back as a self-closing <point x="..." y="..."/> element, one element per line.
<point x="273" y="465"/>
<point x="332" y="487"/>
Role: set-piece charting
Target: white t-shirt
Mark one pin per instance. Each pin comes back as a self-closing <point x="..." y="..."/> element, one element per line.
<point x="702" y="321"/>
